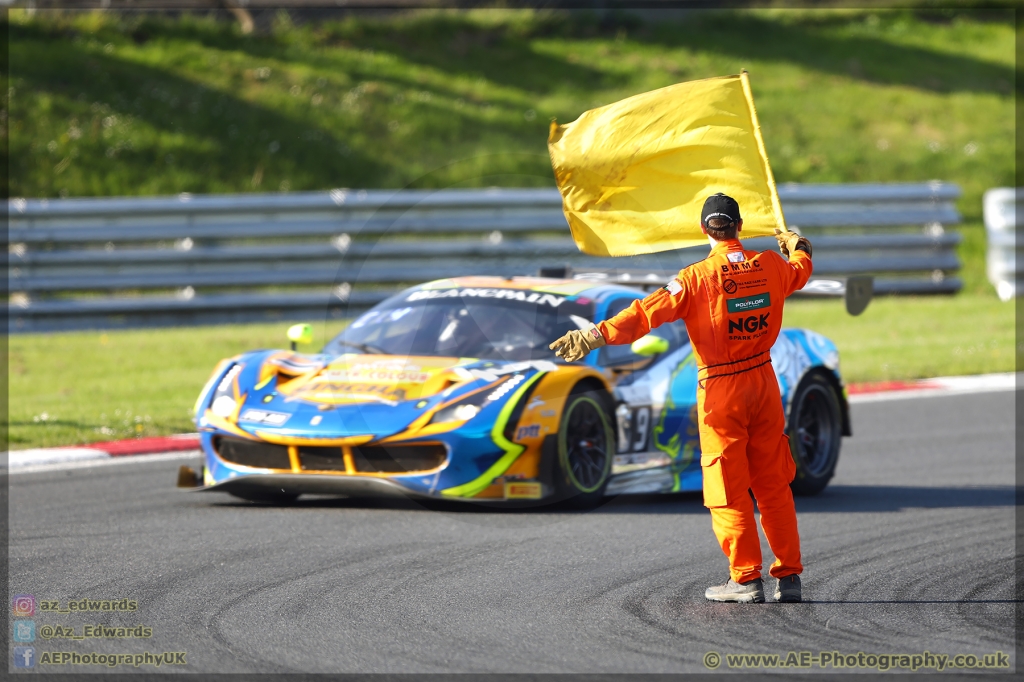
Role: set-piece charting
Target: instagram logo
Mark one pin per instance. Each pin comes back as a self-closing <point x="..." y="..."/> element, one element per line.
<point x="23" y="605"/>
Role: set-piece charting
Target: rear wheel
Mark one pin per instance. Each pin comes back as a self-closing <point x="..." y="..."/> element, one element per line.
<point x="586" y="447"/>
<point x="815" y="433"/>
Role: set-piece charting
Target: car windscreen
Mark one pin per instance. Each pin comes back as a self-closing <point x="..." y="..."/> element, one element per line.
<point x="491" y="323"/>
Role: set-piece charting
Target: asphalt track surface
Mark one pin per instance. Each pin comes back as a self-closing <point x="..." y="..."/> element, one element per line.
<point x="911" y="548"/>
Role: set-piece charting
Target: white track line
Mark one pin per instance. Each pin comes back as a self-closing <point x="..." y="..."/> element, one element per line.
<point x="56" y="459"/>
<point x="108" y="461"/>
<point x="22" y="458"/>
<point x="946" y="386"/>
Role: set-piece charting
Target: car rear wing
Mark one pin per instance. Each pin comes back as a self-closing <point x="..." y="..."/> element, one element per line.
<point x="856" y="291"/>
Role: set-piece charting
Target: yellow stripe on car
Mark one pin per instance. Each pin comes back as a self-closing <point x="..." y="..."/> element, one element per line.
<point x="512" y="450"/>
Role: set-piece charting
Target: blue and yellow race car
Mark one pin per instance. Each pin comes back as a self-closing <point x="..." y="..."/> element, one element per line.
<point x="448" y="390"/>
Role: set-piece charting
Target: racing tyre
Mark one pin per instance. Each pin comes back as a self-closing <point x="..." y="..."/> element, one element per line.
<point x="815" y="433"/>
<point x="586" y="448"/>
<point x="267" y="496"/>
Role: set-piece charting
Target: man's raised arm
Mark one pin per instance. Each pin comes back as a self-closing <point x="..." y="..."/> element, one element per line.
<point x="798" y="250"/>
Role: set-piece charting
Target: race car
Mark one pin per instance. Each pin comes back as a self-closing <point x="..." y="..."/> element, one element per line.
<point x="448" y="391"/>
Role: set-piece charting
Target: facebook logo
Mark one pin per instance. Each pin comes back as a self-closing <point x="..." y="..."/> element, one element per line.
<point x="24" y="657"/>
<point x="24" y="631"/>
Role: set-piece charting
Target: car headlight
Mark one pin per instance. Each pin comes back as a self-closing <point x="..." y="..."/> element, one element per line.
<point x="223" y="406"/>
<point x="223" y="403"/>
<point x="467" y="408"/>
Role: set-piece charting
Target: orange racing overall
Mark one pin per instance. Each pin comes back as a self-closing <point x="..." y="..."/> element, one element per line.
<point x="732" y="306"/>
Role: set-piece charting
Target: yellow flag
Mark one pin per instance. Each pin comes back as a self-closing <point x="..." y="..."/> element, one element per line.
<point x="634" y="175"/>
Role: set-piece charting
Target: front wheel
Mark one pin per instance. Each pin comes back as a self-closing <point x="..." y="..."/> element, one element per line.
<point x="815" y="433"/>
<point x="586" y="447"/>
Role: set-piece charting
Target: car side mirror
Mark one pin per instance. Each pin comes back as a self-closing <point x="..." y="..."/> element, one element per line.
<point x="300" y="333"/>
<point x="649" y="345"/>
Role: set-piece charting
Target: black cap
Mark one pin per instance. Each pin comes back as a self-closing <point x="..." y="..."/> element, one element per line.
<point x="720" y="205"/>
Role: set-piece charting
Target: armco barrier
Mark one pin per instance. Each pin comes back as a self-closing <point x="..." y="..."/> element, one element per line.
<point x="1001" y="225"/>
<point x="121" y="262"/>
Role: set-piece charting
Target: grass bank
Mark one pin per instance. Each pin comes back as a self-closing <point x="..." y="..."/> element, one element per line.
<point x="90" y="386"/>
<point x="82" y="387"/>
<point x="137" y="104"/>
<point x="915" y="337"/>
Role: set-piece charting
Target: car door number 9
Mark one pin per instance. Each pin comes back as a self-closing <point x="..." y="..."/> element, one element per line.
<point x="634" y="428"/>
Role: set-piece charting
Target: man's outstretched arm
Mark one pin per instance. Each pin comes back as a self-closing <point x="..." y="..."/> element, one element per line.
<point x="664" y="305"/>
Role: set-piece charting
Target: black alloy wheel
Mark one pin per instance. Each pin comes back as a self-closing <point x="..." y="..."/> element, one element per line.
<point x="815" y="433"/>
<point x="586" y="448"/>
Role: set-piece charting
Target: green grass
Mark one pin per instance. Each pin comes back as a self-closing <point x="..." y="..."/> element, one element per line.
<point x="105" y="104"/>
<point x="82" y="387"/>
<point x="915" y="337"/>
<point x="137" y="104"/>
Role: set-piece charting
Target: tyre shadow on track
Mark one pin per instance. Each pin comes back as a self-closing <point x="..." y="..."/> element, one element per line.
<point x="834" y="499"/>
<point x="888" y="498"/>
<point x="909" y="601"/>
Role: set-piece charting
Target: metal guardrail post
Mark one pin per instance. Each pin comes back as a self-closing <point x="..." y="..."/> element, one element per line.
<point x="1001" y="222"/>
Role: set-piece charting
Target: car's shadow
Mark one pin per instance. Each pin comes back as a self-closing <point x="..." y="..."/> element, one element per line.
<point x="676" y="503"/>
<point x="894" y="498"/>
<point x="834" y="499"/>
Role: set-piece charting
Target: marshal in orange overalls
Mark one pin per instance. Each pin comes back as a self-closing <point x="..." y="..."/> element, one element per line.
<point x="732" y="305"/>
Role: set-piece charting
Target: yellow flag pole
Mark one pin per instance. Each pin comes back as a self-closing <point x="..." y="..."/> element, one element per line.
<point x="776" y="205"/>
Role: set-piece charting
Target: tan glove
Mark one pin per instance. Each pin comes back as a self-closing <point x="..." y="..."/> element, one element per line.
<point x="576" y="344"/>
<point x="789" y="241"/>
